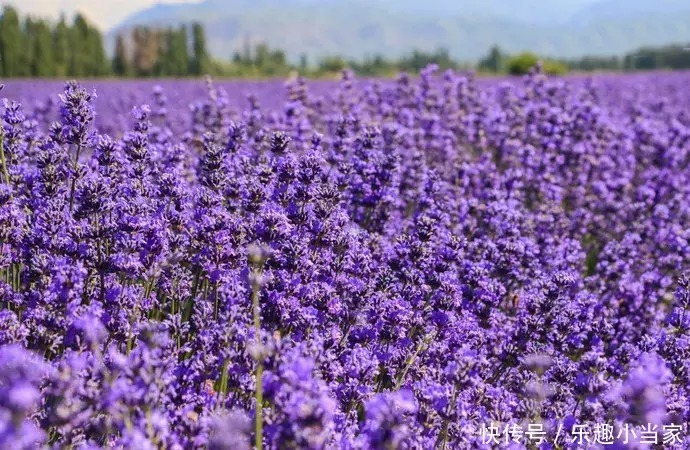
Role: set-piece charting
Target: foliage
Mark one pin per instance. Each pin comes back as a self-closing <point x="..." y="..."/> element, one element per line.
<point x="594" y="63"/>
<point x="260" y="61"/>
<point x="11" y="43"/>
<point x="121" y="64"/>
<point x="554" y="67"/>
<point x="36" y="48"/>
<point x="494" y="62"/>
<point x="675" y="57"/>
<point x="522" y="63"/>
<point x="200" y="59"/>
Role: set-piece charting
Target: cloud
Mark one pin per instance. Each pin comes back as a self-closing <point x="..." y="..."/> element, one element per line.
<point x="103" y="13"/>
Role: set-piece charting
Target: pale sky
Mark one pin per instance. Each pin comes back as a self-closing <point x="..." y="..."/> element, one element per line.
<point x="103" y="13"/>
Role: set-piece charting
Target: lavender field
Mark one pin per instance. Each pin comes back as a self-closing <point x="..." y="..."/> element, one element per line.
<point x="427" y="262"/>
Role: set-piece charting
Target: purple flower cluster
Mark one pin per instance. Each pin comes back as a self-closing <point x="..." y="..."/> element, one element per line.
<point x="384" y="265"/>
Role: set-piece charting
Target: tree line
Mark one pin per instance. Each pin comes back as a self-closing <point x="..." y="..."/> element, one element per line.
<point x="33" y="47"/>
<point x="162" y="52"/>
<point x="669" y="57"/>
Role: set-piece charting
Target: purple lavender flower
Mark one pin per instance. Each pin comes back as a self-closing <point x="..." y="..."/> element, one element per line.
<point x="21" y="373"/>
<point x="230" y="431"/>
<point x="366" y="264"/>
<point x="643" y="391"/>
<point x="387" y="420"/>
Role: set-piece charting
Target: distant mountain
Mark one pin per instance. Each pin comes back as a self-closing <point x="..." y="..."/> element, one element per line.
<point x="467" y="28"/>
<point x="622" y="10"/>
<point x="526" y="11"/>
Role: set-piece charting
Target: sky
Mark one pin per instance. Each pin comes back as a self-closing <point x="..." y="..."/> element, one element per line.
<point x="103" y="13"/>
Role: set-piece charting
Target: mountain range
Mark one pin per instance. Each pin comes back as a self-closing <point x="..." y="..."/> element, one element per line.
<point x="467" y="28"/>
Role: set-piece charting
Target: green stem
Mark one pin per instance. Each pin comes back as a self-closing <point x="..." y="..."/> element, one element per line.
<point x="3" y="163"/>
<point x="204" y="287"/>
<point x="446" y="423"/>
<point x="18" y="275"/>
<point x="74" y="178"/>
<point x="149" y="425"/>
<point x="99" y="247"/>
<point x="5" y="173"/>
<point x="260" y="364"/>
<point x="215" y="301"/>
<point x="190" y="304"/>
<point x="259" y="406"/>
<point x="411" y="360"/>
<point x="222" y="386"/>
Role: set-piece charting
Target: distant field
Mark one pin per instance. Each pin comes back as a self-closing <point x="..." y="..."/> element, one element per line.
<point x="116" y="97"/>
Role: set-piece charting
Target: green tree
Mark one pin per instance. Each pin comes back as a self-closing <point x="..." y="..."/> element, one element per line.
<point x="79" y="47"/>
<point x="61" y="47"/>
<point x="676" y="57"/>
<point x="303" y="63"/>
<point x="174" y="55"/>
<point x="120" y="58"/>
<point x="199" y="63"/>
<point x="98" y="64"/>
<point x="554" y="67"/>
<point x="332" y="64"/>
<point x="522" y="63"/>
<point x="493" y="62"/>
<point x="164" y="58"/>
<point x="41" y="51"/>
<point x="591" y="63"/>
<point x="10" y="43"/>
<point x="26" y="57"/>
<point x="418" y="60"/>
<point x="269" y="62"/>
<point x="181" y="52"/>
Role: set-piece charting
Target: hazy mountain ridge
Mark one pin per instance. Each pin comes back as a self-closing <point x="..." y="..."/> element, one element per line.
<point x="355" y="28"/>
<point x="619" y="10"/>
